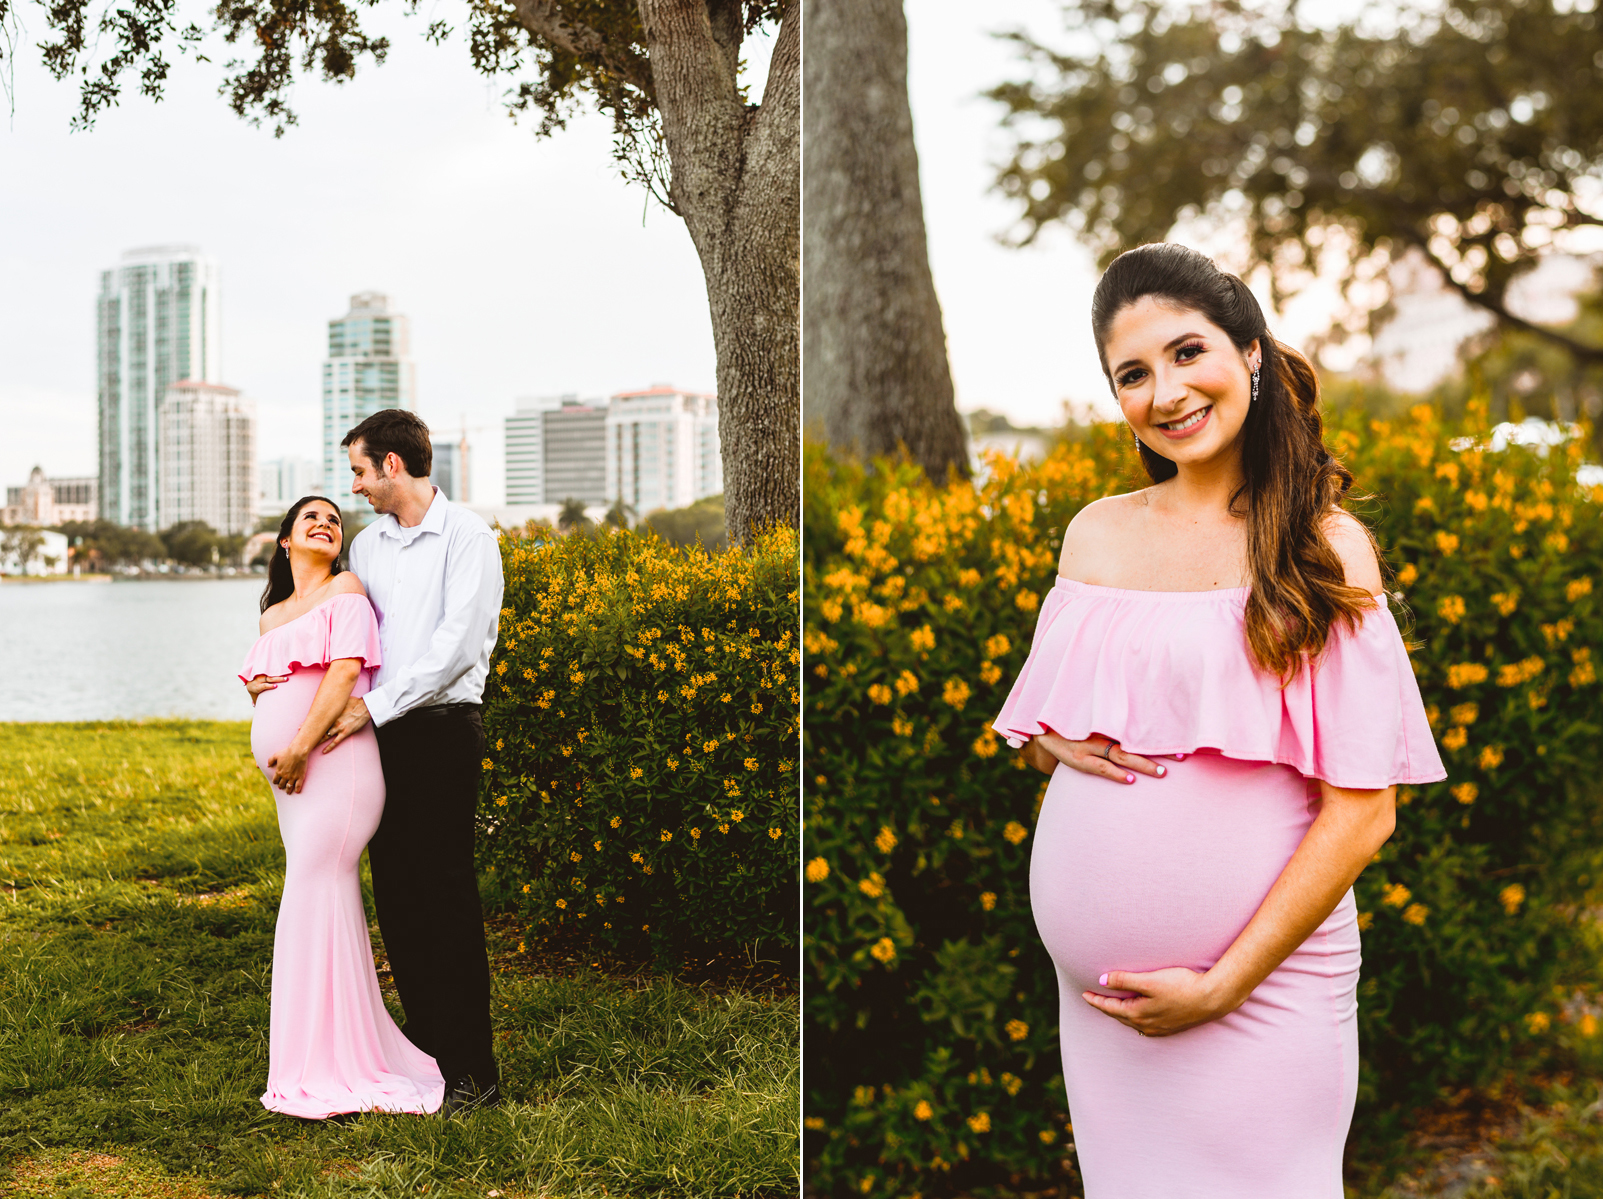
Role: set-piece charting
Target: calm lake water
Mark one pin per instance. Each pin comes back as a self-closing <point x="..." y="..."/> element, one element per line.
<point x="124" y="650"/>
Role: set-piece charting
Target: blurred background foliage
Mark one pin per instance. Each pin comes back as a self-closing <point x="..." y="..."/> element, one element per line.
<point x="925" y="977"/>
<point x="1467" y="133"/>
<point x="701" y="523"/>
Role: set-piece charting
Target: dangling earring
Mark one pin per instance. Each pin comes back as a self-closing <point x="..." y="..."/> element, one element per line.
<point x="1254" y="385"/>
<point x="1137" y="437"/>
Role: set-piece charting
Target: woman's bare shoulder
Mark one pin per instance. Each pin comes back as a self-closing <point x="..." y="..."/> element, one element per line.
<point x="271" y="618"/>
<point x="1356" y="549"/>
<point x="1095" y="529"/>
<point x="345" y="583"/>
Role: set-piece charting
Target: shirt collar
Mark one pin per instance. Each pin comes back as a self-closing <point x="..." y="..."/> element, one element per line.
<point x="433" y="521"/>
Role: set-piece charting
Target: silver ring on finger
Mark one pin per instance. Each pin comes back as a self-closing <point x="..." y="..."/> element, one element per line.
<point x="1107" y="750"/>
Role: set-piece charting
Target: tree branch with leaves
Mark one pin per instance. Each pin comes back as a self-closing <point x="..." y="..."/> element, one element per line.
<point x="1472" y="132"/>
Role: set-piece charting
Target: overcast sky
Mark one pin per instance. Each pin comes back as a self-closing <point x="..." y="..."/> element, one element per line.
<point x="526" y="267"/>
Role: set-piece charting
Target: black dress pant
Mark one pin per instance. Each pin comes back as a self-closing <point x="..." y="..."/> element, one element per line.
<point x="426" y="889"/>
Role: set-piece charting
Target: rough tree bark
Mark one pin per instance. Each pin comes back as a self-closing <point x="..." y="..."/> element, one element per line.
<point x="736" y="181"/>
<point x="877" y="376"/>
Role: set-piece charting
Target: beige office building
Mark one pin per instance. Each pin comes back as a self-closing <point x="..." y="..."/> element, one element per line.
<point x="208" y="457"/>
<point x="662" y="448"/>
<point x="44" y="502"/>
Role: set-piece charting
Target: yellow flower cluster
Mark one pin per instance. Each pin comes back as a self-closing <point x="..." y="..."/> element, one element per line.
<point x="1515" y="673"/>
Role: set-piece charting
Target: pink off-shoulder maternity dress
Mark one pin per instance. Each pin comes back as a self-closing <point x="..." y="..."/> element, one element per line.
<point x="1167" y="872"/>
<point x="333" y="1047"/>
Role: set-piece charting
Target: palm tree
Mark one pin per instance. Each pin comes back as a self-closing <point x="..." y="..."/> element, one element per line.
<point x="572" y="518"/>
<point x="621" y="515"/>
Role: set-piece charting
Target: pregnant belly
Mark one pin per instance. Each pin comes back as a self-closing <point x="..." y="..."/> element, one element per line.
<point x="280" y="712"/>
<point x="1163" y="873"/>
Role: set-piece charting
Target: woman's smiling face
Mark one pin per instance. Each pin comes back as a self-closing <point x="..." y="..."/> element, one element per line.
<point x="316" y="531"/>
<point x="1180" y="381"/>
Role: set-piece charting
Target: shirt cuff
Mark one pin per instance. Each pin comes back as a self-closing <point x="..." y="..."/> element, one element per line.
<point x="380" y="708"/>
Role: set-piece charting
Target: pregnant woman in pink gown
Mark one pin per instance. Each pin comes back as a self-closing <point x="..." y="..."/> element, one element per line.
<point x="1225" y="706"/>
<point x="333" y="1047"/>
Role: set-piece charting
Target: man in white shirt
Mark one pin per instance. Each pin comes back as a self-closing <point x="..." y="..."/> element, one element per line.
<point x="433" y="573"/>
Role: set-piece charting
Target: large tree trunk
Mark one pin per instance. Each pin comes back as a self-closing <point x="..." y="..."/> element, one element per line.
<point x="876" y="368"/>
<point x="736" y="182"/>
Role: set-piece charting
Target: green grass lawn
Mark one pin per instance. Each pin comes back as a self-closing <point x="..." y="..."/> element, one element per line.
<point x="140" y="870"/>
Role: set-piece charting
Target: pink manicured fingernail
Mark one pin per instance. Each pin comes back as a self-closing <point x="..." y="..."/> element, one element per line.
<point x="1179" y="757"/>
<point x="1129" y="778"/>
<point x="1103" y="981"/>
<point x="1162" y="771"/>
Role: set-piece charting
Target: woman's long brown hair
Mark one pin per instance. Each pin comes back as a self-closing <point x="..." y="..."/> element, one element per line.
<point x="1290" y="482"/>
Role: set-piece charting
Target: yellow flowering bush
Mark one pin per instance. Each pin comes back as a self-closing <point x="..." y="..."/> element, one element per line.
<point x="642" y="714"/>
<point x="919" y="596"/>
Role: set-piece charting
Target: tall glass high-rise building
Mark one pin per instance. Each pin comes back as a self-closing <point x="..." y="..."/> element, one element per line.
<point x="157" y="322"/>
<point x="368" y="368"/>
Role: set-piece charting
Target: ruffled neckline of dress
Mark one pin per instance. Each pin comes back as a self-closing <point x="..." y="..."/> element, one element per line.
<point x="346" y="628"/>
<point x="1167" y="672"/>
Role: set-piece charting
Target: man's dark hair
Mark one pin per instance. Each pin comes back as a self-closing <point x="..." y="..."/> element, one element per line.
<point x="399" y="432"/>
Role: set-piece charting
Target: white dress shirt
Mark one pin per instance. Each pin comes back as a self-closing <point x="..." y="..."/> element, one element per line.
<point x="437" y="590"/>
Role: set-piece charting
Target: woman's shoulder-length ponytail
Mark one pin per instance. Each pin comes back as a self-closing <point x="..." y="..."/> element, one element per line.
<point x="1291" y="484"/>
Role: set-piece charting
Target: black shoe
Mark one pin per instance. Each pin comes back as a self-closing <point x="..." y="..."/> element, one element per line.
<point x="465" y="1096"/>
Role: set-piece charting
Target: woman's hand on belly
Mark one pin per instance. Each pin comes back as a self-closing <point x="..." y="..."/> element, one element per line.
<point x="289" y="767"/>
<point x="261" y="683"/>
<point x="1165" y="1001"/>
<point x="1350" y="827"/>
<point x="1101" y="756"/>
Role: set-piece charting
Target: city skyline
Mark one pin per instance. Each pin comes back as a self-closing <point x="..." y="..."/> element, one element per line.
<point x="590" y="286"/>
